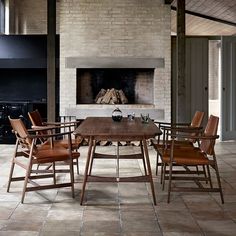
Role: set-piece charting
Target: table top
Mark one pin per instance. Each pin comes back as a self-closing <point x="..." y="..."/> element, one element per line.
<point x="105" y="127"/>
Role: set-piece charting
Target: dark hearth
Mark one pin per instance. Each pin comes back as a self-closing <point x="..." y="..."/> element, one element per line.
<point x="91" y="81"/>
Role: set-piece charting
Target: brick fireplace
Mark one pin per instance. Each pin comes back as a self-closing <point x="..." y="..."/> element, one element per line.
<point x="119" y="35"/>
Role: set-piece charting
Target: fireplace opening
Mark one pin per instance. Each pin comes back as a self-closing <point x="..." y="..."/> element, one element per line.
<point x="135" y="84"/>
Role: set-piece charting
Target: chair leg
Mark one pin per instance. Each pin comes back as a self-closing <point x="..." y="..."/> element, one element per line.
<point x="162" y="170"/>
<point x="27" y="175"/>
<point x="144" y="166"/>
<point x="170" y="182"/>
<point x="12" y="166"/>
<point x="71" y="166"/>
<point x="209" y="176"/>
<point x="205" y="173"/>
<point x="219" y="182"/>
<point x="157" y="163"/>
<point x="163" y="177"/>
<point x="197" y="170"/>
<point x="77" y="165"/>
<point x="54" y="172"/>
<point x="10" y="175"/>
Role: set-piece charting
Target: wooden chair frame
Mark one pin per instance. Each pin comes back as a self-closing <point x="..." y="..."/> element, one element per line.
<point x="192" y="156"/>
<point x="27" y="148"/>
<point x="194" y="126"/>
<point x="67" y="126"/>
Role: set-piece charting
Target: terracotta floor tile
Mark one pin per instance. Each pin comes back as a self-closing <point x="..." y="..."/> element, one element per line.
<point x="62" y="225"/>
<point x="177" y="221"/>
<point x="22" y="225"/>
<point x="218" y="226"/>
<point x="18" y="233"/>
<point x="124" y="209"/>
<point x="101" y="226"/>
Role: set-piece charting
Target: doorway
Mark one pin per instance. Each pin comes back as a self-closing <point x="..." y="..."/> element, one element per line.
<point x="214" y="78"/>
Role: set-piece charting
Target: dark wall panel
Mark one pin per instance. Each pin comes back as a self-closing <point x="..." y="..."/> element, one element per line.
<point x="23" y="46"/>
<point x="25" y="51"/>
<point x="23" y="84"/>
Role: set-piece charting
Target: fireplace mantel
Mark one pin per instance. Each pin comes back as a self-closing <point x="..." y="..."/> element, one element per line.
<point x="83" y="111"/>
<point x="114" y="62"/>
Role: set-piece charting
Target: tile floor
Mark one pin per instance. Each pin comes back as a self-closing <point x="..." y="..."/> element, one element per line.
<point x="123" y="209"/>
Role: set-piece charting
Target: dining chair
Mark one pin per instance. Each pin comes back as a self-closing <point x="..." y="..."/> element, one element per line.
<point x="189" y="157"/>
<point x="28" y="153"/>
<point x="193" y="127"/>
<point x="37" y="122"/>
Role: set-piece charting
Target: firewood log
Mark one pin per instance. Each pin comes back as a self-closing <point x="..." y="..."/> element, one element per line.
<point x="123" y="98"/>
<point x="101" y="93"/>
<point x="118" y="96"/>
<point x="114" y="97"/>
<point x="99" y="101"/>
<point x="107" y="97"/>
<point x="111" y="96"/>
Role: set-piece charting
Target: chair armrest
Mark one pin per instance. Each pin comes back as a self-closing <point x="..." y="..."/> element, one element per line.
<point x="197" y="136"/>
<point x="37" y="136"/>
<point x="49" y="127"/>
<point x="171" y="124"/>
<point x="35" y="128"/>
<point x="63" y="123"/>
<point x="184" y="129"/>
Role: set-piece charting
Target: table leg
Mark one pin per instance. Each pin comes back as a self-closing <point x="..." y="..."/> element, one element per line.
<point x="144" y="162"/>
<point x="117" y="162"/>
<point x="91" y="143"/>
<point x="92" y="159"/>
<point x="149" y="170"/>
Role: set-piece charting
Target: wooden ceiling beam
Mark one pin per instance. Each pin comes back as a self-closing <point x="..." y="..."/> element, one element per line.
<point x="206" y="17"/>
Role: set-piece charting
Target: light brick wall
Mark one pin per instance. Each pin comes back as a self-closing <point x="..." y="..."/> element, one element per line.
<point x="115" y="28"/>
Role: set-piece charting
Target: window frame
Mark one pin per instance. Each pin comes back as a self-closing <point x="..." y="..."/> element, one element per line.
<point x="2" y="16"/>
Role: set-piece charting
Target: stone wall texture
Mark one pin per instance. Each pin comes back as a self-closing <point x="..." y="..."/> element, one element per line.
<point x="115" y="28"/>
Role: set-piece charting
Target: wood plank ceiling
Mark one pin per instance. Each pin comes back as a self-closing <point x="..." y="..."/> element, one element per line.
<point x="224" y="10"/>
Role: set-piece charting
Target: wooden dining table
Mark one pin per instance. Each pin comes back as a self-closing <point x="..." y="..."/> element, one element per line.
<point x="104" y="128"/>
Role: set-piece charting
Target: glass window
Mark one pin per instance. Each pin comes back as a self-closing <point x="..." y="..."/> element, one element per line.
<point x="2" y="16"/>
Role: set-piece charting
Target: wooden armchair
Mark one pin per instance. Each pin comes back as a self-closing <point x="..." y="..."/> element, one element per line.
<point x="189" y="157"/>
<point x="193" y="127"/>
<point x="37" y="123"/>
<point x="28" y="153"/>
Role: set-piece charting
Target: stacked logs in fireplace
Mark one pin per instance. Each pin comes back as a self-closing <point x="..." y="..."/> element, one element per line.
<point x="111" y="96"/>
